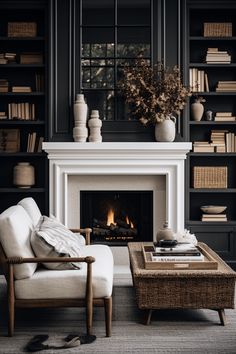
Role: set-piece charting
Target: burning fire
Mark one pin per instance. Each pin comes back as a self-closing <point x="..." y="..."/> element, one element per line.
<point x="129" y="222"/>
<point x="110" y="217"/>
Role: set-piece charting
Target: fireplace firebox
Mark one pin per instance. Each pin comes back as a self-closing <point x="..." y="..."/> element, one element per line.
<point x="117" y="217"/>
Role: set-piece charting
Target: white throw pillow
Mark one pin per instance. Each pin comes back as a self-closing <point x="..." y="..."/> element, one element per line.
<point x="50" y="238"/>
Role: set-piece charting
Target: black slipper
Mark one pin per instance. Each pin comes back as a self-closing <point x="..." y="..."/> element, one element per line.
<point x="36" y="343"/>
<point x="84" y="338"/>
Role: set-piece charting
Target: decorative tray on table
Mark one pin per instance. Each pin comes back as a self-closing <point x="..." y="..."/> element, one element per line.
<point x="150" y="263"/>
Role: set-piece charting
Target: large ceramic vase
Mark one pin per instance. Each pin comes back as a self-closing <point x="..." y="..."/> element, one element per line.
<point x="165" y="131"/>
<point x="197" y="110"/>
<point x="80" y="131"/>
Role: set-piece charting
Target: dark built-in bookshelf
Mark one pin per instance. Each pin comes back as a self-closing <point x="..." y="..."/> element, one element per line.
<point x="23" y="62"/>
<point x="220" y="235"/>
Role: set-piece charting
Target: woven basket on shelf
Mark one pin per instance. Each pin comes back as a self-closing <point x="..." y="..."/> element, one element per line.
<point x="217" y="29"/>
<point x="210" y="177"/>
<point x="22" y="29"/>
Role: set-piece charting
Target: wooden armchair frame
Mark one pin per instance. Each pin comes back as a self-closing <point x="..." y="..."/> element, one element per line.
<point x="87" y="302"/>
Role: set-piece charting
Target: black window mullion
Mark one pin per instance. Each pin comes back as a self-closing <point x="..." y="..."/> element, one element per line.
<point x="115" y="110"/>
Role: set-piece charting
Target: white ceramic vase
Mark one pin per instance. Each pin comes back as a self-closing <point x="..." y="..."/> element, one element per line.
<point x="80" y="131"/>
<point x="95" y="125"/>
<point x="197" y="110"/>
<point x="23" y="175"/>
<point x="165" y="131"/>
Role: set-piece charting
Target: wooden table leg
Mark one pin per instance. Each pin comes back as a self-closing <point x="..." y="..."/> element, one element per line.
<point x="147" y="317"/>
<point x="222" y="316"/>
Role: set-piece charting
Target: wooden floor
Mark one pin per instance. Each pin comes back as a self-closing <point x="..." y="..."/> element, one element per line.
<point x="171" y="331"/>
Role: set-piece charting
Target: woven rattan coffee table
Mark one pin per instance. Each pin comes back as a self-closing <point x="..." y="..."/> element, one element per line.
<point x="182" y="289"/>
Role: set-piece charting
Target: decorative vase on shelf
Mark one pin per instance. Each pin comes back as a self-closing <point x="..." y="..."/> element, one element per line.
<point x="80" y="131"/>
<point x="165" y="131"/>
<point x="23" y="175"/>
<point x="95" y="125"/>
<point x="197" y="110"/>
<point x="165" y="233"/>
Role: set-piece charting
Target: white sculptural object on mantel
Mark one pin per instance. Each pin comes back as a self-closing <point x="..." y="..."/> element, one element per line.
<point x="80" y="131"/>
<point x="95" y="125"/>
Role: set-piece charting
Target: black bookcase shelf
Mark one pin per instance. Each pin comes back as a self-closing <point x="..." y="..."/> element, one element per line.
<point x="219" y="235"/>
<point x="22" y="104"/>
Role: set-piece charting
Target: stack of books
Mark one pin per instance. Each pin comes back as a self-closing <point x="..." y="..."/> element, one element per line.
<point x="214" y="217"/>
<point x="31" y="58"/>
<point x="202" y="146"/>
<point x="224" y="117"/>
<point x="226" y="86"/>
<point x="181" y="252"/>
<point x="3" y="60"/>
<point x="23" y="89"/>
<point x="218" y="140"/>
<point x="3" y="115"/>
<point x="11" y="57"/>
<point x="7" y="58"/>
<point x="215" y="56"/>
<point x="4" y="85"/>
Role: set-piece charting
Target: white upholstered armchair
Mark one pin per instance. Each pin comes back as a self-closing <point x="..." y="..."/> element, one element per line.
<point x="32" y="285"/>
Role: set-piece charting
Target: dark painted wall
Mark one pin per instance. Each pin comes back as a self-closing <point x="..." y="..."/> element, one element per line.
<point x="64" y="75"/>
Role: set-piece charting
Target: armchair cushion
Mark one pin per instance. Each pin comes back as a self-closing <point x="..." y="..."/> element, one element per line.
<point x="31" y="208"/>
<point x="70" y="284"/>
<point x="50" y="238"/>
<point x="15" y="229"/>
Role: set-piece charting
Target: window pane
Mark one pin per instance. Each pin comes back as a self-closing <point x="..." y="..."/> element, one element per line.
<point x="98" y="42"/>
<point x="102" y="101"/>
<point x="98" y="12"/>
<point x="133" y="12"/>
<point x="133" y="41"/>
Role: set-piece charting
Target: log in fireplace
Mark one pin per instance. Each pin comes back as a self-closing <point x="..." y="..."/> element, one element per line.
<point x="117" y="217"/>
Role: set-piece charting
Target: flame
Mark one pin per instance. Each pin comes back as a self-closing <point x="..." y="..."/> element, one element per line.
<point x="129" y="222"/>
<point x="110" y="217"/>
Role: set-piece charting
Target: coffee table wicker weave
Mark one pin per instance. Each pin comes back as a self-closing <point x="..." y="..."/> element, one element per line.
<point x="182" y="289"/>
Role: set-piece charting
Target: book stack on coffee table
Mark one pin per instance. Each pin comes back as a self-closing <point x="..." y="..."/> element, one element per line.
<point x="181" y="252"/>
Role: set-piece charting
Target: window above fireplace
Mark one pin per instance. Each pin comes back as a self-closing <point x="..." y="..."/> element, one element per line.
<point x="112" y="34"/>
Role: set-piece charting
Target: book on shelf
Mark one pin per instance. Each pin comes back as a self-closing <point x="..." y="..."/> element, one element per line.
<point x="39" y="82"/>
<point x="4" y="85"/>
<point x="214" y="217"/>
<point x="223" y="86"/>
<point x="198" y="80"/>
<point x="9" y="140"/>
<point x="34" y="143"/>
<point x="216" y="56"/>
<point x="21" y="89"/>
<point x="3" y="115"/>
<point x="202" y="147"/>
<point x="230" y="142"/>
<point x="22" y="111"/>
<point x="31" y="58"/>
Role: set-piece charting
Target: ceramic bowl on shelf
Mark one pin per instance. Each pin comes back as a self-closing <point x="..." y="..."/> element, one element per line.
<point x="213" y="209"/>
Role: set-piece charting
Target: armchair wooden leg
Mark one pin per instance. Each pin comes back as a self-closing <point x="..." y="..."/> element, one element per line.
<point x="11" y="302"/>
<point x="108" y="314"/>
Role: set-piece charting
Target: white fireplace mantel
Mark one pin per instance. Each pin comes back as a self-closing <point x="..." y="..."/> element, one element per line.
<point x="118" y="158"/>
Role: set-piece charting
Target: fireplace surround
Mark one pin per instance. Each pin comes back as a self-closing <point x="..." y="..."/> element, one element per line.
<point x="91" y="161"/>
